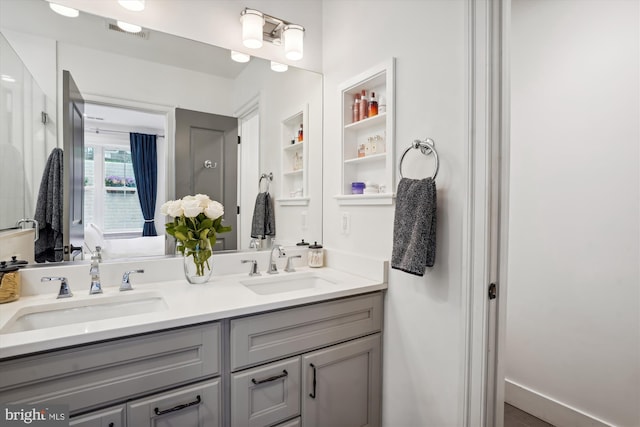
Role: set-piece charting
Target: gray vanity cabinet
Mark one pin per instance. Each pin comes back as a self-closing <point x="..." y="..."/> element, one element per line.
<point x="193" y="406"/>
<point x="341" y="385"/>
<point x="326" y="371"/>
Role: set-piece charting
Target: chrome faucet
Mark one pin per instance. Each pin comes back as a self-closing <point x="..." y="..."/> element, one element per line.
<point x="273" y="268"/>
<point x="125" y="285"/>
<point x="96" y="257"/>
<point x="65" y="290"/>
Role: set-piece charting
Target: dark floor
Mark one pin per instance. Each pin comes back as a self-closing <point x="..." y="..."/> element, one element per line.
<point x="514" y="417"/>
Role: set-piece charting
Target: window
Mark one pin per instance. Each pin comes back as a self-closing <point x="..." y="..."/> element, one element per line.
<point x="111" y="201"/>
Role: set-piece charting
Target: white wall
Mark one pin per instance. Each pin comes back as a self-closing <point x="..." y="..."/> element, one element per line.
<point x="573" y="325"/>
<point x="423" y="338"/>
<point x="282" y="95"/>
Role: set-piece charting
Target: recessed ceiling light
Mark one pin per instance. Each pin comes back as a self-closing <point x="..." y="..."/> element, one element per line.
<point x="239" y="56"/>
<point x="280" y="68"/>
<point x="64" y="10"/>
<point x="130" y="28"/>
<point x="134" y="5"/>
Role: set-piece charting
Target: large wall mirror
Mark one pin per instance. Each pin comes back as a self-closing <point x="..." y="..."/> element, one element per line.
<point x="144" y="83"/>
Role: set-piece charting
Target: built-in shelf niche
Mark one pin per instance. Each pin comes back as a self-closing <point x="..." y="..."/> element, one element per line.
<point x="294" y="159"/>
<point x="367" y="147"/>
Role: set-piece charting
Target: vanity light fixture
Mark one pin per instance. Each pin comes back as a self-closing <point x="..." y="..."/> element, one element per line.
<point x="258" y="27"/>
<point x="134" y="5"/>
<point x="239" y="56"/>
<point x="130" y="28"/>
<point x="7" y="78"/>
<point x="278" y="67"/>
<point x="64" y="10"/>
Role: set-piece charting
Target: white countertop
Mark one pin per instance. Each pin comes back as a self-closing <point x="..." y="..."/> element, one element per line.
<point x="222" y="297"/>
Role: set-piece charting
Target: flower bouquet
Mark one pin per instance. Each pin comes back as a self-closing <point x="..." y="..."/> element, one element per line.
<point x="197" y="220"/>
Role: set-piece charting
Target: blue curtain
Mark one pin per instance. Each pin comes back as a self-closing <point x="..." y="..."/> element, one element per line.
<point x="144" y="156"/>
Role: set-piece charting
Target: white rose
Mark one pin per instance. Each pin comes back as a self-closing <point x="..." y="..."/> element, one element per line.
<point x="191" y="208"/>
<point x="214" y="210"/>
<point x="164" y="209"/>
<point x="175" y="208"/>
<point x="203" y="199"/>
<point x="186" y="198"/>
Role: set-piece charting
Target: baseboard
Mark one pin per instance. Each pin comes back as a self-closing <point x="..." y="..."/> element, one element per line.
<point x="548" y="409"/>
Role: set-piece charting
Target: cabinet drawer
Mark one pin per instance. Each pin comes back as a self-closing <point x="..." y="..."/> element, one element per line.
<point x="197" y="405"/>
<point x="265" y="395"/>
<point x="296" y="422"/>
<point x="273" y="335"/>
<point x="99" y="374"/>
<point x="110" y="417"/>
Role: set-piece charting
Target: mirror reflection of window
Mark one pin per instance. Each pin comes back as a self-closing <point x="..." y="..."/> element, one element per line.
<point x="111" y="201"/>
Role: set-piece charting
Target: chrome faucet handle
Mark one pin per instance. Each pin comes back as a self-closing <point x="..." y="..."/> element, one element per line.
<point x="125" y="285"/>
<point x="289" y="267"/>
<point x="65" y="290"/>
<point x="253" y="271"/>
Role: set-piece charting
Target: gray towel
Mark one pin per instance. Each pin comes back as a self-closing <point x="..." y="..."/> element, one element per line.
<point x="49" y="210"/>
<point x="414" y="226"/>
<point x="264" y="220"/>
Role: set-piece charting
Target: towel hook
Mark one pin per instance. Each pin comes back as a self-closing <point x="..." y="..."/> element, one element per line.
<point x="268" y="177"/>
<point x="428" y="146"/>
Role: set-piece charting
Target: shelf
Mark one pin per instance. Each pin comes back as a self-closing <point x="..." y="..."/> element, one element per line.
<point x="294" y="201"/>
<point x="368" y="122"/>
<point x="366" y="159"/>
<point x="365" y="199"/>
<point x="293" y="147"/>
<point x="293" y="173"/>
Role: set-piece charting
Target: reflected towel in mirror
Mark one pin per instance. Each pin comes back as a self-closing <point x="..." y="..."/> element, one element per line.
<point x="264" y="220"/>
<point x="49" y="210"/>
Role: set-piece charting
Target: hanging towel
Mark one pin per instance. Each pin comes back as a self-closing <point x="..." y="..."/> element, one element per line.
<point x="264" y="220"/>
<point x="49" y="210"/>
<point x="414" y="226"/>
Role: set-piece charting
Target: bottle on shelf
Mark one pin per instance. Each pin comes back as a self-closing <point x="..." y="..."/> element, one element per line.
<point x="373" y="105"/>
<point x="300" y="134"/>
<point x="364" y="105"/>
<point x="356" y="108"/>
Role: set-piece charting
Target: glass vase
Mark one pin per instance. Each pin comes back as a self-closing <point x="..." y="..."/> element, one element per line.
<point x="198" y="263"/>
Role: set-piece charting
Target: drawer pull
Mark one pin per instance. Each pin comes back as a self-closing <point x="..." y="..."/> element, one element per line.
<point x="273" y="378"/>
<point x="313" y="393"/>
<point x="179" y="407"/>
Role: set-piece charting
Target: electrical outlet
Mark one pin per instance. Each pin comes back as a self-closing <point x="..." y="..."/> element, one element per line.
<point x="345" y="223"/>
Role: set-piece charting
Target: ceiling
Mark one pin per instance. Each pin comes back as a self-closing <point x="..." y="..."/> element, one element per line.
<point x="35" y="17"/>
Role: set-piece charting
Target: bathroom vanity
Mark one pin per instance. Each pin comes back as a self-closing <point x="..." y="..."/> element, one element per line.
<point x="271" y="355"/>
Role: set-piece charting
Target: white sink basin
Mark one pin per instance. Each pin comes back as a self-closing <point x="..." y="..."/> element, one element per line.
<point x="284" y="283"/>
<point x="81" y="311"/>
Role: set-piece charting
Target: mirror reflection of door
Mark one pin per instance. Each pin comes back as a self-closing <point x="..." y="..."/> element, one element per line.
<point x="73" y="147"/>
<point x="207" y="163"/>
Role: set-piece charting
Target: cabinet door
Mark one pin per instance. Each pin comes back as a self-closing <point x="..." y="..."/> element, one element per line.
<point x="111" y="417"/>
<point x="193" y="406"/>
<point x="265" y="395"/>
<point x="341" y="385"/>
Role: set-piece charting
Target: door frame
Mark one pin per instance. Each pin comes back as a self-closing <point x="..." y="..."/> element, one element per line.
<point x="486" y="211"/>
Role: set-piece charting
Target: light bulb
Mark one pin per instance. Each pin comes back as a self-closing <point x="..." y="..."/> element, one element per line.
<point x="64" y="10"/>
<point x="239" y="56"/>
<point x="252" y="23"/>
<point x="130" y="28"/>
<point x="134" y="5"/>
<point x="293" y="44"/>
<point x="278" y="67"/>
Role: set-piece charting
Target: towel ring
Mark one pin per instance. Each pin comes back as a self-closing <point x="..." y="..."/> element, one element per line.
<point x="427" y="147"/>
<point x="268" y="177"/>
